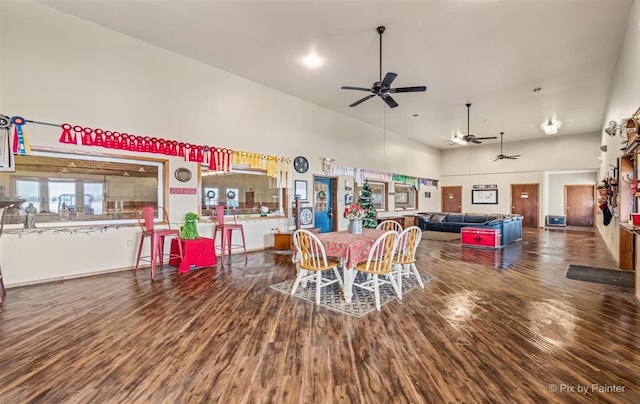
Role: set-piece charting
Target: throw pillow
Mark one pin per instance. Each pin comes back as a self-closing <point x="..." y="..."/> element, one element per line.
<point x="437" y="218"/>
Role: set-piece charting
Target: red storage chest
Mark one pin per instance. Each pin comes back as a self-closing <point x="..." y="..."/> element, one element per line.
<point x="479" y="237"/>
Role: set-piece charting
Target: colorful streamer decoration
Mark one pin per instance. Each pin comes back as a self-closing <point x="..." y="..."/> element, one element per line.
<point x="20" y="141"/>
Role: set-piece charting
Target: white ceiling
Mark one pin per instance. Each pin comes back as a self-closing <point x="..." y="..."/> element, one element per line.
<point x="492" y="53"/>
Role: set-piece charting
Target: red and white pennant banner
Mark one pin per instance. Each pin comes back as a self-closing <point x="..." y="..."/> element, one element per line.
<point x="217" y="158"/>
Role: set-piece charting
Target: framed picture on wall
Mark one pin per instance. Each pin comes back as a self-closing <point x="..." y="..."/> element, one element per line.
<point x="484" y="196"/>
<point x="300" y="189"/>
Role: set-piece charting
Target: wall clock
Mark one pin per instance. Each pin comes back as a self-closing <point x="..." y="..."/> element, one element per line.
<point x="301" y="164"/>
<point x="305" y="215"/>
<point x="183" y="174"/>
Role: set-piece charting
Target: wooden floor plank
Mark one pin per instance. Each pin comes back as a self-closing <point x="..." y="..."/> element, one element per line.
<point x="492" y="326"/>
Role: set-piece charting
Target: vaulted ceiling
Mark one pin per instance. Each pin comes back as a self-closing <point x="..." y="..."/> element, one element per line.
<point x="491" y="53"/>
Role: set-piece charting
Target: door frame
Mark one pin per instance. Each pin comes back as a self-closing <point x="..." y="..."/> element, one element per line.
<point x="334" y="197"/>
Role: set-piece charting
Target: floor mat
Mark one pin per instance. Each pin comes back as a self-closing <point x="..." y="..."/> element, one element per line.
<point x="615" y="277"/>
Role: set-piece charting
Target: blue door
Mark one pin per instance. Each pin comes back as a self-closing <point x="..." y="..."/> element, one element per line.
<point x="323" y="203"/>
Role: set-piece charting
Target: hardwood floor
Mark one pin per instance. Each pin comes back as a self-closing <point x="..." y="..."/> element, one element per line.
<point x="494" y="326"/>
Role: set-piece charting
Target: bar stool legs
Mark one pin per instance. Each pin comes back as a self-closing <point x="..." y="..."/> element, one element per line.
<point x="226" y="241"/>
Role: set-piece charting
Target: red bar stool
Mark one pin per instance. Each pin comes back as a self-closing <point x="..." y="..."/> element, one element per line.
<point x="146" y="216"/>
<point x="226" y="234"/>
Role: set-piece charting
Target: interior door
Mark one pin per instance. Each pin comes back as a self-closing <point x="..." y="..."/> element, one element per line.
<point x="579" y="205"/>
<point x="524" y="201"/>
<point x="451" y="199"/>
<point x="323" y="203"/>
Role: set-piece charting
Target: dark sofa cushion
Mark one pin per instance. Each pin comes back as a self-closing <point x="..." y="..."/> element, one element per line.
<point x="455" y="217"/>
<point x="475" y="218"/>
<point x="494" y="216"/>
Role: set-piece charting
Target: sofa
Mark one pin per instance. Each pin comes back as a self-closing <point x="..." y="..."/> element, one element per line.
<point x="510" y="226"/>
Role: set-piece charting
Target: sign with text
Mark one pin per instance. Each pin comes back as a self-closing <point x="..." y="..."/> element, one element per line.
<point x="182" y="191"/>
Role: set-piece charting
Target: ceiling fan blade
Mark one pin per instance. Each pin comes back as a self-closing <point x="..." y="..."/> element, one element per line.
<point x="388" y="78"/>
<point x="490" y="137"/>
<point x="474" y="140"/>
<point x="390" y="101"/>
<point x="361" y="100"/>
<point x="356" y="88"/>
<point x="408" y="89"/>
<point x="515" y="156"/>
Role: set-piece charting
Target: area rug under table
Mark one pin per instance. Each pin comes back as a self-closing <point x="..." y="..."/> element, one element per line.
<point x="362" y="302"/>
<point x="615" y="277"/>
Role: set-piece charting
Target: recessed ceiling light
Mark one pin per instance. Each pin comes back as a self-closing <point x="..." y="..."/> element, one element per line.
<point x="312" y="60"/>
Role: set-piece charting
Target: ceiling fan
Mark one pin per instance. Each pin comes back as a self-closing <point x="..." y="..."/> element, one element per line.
<point x="469" y="138"/>
<point x="502" y="155"/>
<point x="382" y="87"/>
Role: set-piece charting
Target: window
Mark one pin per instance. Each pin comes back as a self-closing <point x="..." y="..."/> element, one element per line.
<point x="68" y="188"/>
<point x="405" y="197"/>
<point x="379" y="193"/>
<point x="241" y="191"/>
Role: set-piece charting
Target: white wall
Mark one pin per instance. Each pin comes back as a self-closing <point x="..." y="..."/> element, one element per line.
<point x="624" y="100"/>
<point x="474" y="165"/>
<point x="61" y="69"/>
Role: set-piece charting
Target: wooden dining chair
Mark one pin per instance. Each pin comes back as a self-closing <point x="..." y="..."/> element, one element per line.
<point x="389" y="225"/>
<point x="379" y="266"/>
<point x="146" y="217"/>
<point x="404" y="258"/>
<point x="312" y="261"/>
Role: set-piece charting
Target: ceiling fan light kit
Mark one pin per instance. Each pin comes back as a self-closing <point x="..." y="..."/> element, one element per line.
<point x="458" y="140"/>
<point x="382" y="87"/>
<point x="550" y="128"/>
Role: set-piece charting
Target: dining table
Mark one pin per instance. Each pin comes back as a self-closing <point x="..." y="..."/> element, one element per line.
<point x="350" y="249"/>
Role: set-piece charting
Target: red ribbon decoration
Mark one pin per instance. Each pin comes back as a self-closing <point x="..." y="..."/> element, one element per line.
<point x="99" y="139"/>
<point x="108" y="139"/>
<point x="190" y="152"/>
<point x="133" y="143"/>
<point x="66" y="136"/>
<point x="218" y="159"/>
<point x="116" y="141"/>
<point x="124" y="141"/>
<point x="86" y="137"/>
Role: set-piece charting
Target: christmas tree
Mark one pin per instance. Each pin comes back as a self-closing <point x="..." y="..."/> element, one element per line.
<point x="366" y="201"/>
